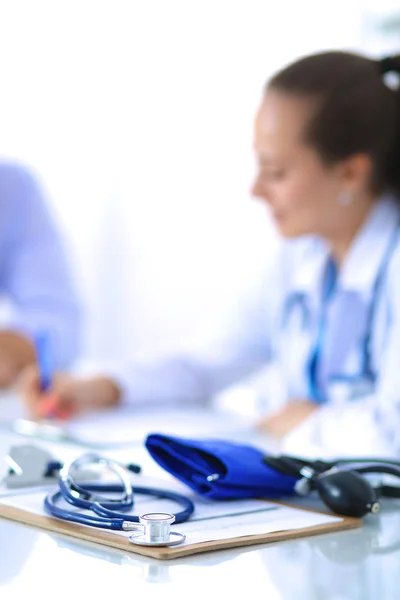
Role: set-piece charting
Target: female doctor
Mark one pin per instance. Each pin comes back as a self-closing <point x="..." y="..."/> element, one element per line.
<point x="327" y="141"/>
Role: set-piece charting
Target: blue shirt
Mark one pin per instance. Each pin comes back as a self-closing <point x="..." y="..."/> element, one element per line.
<point x="36" y="284"/>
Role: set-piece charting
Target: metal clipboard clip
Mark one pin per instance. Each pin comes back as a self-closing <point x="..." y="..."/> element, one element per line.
<point x="30" y="465"/>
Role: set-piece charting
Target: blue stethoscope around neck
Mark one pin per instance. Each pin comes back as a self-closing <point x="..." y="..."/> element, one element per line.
<point x="367" y="376"/>
<point x="109" y="511"/>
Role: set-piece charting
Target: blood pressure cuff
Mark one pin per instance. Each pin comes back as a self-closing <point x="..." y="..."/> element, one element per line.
<point x="219" y="469"/>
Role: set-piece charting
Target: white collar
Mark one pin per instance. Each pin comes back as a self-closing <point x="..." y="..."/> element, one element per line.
<point x="362" y="264"/>
<point x="369" y="249"/>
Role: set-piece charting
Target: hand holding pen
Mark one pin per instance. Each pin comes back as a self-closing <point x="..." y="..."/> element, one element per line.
<point x="50" y="395"/>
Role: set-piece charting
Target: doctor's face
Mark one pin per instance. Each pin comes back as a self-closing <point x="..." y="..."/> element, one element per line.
<point x="299" y="189"/>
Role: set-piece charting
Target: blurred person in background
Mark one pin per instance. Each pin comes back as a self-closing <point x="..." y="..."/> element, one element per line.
<point x="37" y="293"/>
<point x="327" y="142"/>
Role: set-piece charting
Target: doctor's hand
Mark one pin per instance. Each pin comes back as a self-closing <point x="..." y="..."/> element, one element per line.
<point x="287" y="418"/>
<point x="67" y="396"/>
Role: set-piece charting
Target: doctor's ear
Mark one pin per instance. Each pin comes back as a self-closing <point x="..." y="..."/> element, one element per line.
<point x="355" y="173"/>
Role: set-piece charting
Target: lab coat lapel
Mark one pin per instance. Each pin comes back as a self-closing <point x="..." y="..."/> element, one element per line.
<point x="350" y="310"/>
<point x="370" y="248"/>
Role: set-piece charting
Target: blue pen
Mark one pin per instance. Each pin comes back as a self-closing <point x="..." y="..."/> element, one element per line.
<point x="50" y="406"/>
<point x="44" y="361"/>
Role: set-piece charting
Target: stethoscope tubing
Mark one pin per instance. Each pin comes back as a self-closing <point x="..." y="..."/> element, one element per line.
<point x="106" y="518"/>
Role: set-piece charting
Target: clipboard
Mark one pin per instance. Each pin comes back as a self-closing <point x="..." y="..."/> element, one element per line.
<point x="121" y="542"/>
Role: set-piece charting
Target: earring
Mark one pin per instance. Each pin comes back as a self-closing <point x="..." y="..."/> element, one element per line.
<point x="344" y="198"/>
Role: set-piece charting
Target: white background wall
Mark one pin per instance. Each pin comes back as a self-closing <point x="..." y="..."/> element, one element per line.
<point x="137" y="115"/>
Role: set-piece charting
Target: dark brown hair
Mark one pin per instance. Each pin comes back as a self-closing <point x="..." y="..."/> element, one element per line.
<point x="355" y="110"/>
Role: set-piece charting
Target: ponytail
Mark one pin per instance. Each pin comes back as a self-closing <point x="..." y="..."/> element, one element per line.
<point x="387" y="66"/>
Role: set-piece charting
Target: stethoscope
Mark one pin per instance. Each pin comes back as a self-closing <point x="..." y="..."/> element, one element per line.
<point x="367" y="376"/>
<point x="152" y="529"/>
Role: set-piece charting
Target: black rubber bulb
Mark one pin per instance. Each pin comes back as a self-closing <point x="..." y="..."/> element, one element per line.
<point x="347" y="493"/>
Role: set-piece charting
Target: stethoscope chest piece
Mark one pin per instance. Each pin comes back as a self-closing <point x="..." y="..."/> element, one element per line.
<point x="156" y="531"/>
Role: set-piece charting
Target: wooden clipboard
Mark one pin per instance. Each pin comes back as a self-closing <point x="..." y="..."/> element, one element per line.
<point x="106" y="538"/>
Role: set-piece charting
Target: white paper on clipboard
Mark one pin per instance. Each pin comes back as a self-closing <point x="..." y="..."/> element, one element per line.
<point x="212" y="520"/>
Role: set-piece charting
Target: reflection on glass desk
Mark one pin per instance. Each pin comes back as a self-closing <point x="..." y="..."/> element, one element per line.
<point x="362" y="564"/>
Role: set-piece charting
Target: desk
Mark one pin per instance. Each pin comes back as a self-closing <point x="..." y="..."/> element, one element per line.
<point x="349" y="565"/>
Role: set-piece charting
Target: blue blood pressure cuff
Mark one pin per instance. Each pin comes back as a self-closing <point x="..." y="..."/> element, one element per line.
<point x="219" y="469"/>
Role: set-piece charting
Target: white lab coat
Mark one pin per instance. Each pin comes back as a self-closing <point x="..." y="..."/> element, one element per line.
<point x="37" y="292"/>
<point x="276" y="325"/>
